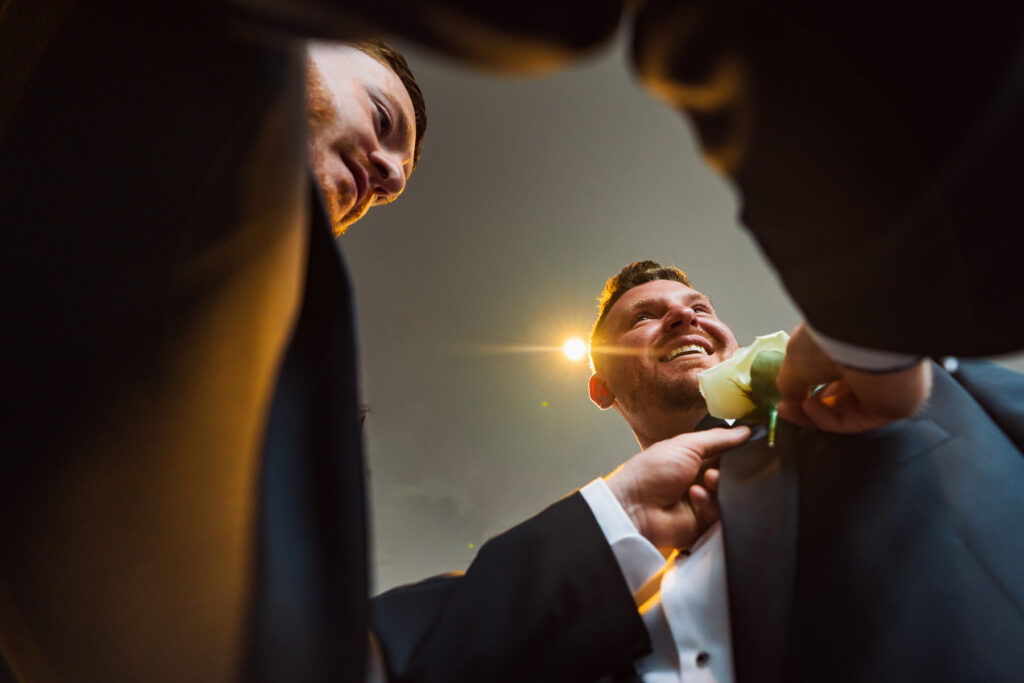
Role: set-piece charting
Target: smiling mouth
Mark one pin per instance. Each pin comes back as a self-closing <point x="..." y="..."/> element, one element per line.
<point x="359" y="178"/>
<point x="685" y="350"/>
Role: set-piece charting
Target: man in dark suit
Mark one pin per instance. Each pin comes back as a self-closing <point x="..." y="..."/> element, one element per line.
<point x="892" y="554"/>
<point x="885" y="554"/>
<point x="157" y="219"/>
<point x="181" y="494"/>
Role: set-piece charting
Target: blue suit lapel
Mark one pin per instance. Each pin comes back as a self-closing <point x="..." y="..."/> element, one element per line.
<point x="758" y="497"/>
<point x="999" y="392"/>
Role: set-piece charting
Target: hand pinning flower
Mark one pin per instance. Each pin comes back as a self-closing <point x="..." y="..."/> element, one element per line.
<point x="743" y="387"/>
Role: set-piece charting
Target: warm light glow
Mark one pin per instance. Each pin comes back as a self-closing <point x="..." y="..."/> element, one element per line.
<point x="574" y="349"/>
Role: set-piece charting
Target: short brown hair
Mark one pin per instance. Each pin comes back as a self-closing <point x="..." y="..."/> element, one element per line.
<point x="393" y="59"/>
<point x="635" y="274"/>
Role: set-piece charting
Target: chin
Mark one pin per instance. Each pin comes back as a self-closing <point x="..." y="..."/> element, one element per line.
<point x="341" y="219"/>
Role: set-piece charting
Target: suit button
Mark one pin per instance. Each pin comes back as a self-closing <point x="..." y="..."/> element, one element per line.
<point x="702" y="659"/>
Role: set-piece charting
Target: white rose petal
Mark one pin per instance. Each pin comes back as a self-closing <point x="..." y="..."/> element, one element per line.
<point x="724" y="385"/>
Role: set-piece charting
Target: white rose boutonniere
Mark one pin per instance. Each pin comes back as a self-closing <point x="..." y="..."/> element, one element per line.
<point x="743" y="387"/>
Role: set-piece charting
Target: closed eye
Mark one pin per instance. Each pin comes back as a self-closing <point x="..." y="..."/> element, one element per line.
<point x="383" y="119"/>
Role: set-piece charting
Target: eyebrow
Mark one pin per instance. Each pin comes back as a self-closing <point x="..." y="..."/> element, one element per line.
<point x="696" y="297"/>
<point x="637" y="304"/>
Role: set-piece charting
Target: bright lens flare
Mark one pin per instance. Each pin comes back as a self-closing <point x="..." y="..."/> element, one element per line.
<point x="574" y="349"/>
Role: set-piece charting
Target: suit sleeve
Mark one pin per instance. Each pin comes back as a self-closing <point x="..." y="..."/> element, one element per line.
<point x="544" y="601"/>
<point x="874" y="173"/>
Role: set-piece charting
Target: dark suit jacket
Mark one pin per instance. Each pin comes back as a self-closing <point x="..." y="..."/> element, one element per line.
<point x="895" y="555"/>
<point x="877" y="151"/>
<point x="155" y="212"/>
<point x="544" y="601"/>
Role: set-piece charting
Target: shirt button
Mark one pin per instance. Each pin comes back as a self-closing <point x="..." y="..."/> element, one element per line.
<point x="702" y="659"/>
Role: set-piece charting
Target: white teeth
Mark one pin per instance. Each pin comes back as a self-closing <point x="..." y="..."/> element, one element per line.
<point x="689" y="348"/>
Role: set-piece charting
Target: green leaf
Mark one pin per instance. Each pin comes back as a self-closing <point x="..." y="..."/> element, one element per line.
<point x="763" y="372"/>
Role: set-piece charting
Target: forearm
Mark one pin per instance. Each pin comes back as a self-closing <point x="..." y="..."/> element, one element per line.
<point x="544" y="601"/>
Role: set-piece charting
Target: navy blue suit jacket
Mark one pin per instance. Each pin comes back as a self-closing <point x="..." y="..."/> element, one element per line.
<point x="894" y="555"/>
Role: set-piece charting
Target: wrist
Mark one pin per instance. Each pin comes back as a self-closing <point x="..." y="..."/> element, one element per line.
<point x="862" y="359"/>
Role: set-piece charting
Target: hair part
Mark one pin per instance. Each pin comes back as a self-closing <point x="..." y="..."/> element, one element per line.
<point x="393" y="59"/>
<point x="635" y="274"/>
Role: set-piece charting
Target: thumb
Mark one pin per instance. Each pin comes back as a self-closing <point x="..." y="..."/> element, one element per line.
<point x="711" y="442"/>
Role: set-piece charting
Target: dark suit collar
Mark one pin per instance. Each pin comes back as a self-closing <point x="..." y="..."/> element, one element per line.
<point x="758" y="497"/>
<point x="708" y="422"/>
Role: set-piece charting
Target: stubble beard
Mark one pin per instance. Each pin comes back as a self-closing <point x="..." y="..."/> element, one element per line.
<point x="666" y="396"/>
<point x="681" y="395"/>
<point x="338" y="222"/>
<point x="340" y="218"/>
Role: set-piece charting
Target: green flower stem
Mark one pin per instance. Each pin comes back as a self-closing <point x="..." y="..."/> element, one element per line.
<point x="773" y="417"/>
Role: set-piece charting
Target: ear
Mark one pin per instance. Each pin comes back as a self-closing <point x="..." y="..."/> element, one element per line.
<point x="600" y="394"/>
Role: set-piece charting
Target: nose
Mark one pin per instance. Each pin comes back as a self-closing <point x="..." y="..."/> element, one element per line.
<point x="679" y="315"/>
<point x="388" y="175"/>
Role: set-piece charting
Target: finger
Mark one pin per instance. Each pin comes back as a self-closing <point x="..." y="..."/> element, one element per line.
<point x="822" y="415"/>
<point x="711" y="480"/>
<point x="791" y="411"/>
<point x="710" y="460"/>
<point x="791" y="385"/>
<point x="712" y="441"/>
<point x="674" y="527"/>
<point x="833" y="390"/>
<point x="709" y="464"/>
<point x="705" y="507"/>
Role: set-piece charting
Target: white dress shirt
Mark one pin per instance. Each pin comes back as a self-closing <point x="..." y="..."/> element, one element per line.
<point x="688" y="616"/>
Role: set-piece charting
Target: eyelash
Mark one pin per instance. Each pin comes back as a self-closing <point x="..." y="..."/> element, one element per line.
<point x="383" y="119"/>
<point x="699" y="308"/>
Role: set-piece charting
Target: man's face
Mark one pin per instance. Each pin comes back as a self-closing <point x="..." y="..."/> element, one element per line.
<point x="659" y="336"/>
<point x="361" y="132"/>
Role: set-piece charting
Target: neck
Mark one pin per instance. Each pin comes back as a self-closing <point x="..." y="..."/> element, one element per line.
<point x="655" y="428"/>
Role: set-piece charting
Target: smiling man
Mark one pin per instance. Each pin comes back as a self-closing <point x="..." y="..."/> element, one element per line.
<point x="654" y="335"/>
<point x="841" y="557"/>
<point x="366" y="121"/>
<point x="188" y="262"/>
